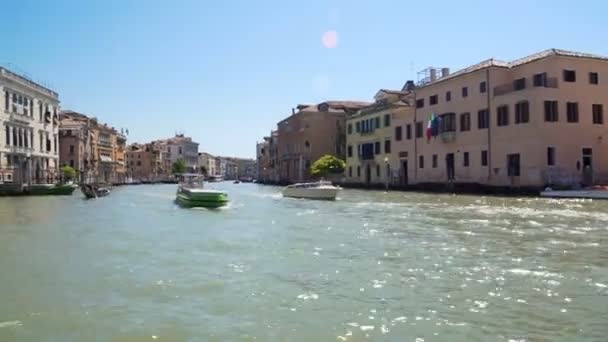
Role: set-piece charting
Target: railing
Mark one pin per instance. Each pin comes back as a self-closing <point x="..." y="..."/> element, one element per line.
<point x="549" y="82"/>
<point x="448" y="136"/>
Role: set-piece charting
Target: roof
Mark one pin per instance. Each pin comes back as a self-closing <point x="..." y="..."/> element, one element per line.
<point x="528" y="59"/>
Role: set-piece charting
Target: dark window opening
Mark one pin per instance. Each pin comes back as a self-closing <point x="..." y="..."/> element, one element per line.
<point x="502" y="115"/>
<point x="435" y="161"/>
<point x="484" y="158"/>
<point x="350" y="151"/>
<point x="387" y="120"/>
<point x="482" y="87"/>
<point x="519" y="84"/>
<point x="398" y="133"/>
<point x="513" y="167"/>
<point x="433" y="100"/>
<point x="419" y="103"/>
<point x="572" y="112"/>
<point x="378" y="170"/>
<point x="421" y="162"/>
<point x="522" y="112"/>
<point x="408" y="131"/>
<point x="387" y="146"/>
<point x="465" y="91"/>
<point x="598" y="114"/>
<point x="465" y="122"/>
<point x="594" y="78"/>
<point x="377" y="147"/>
<point x="551" y="156"/>
<point x="569" y="76"/>
<point x="465" y="159"/>
<point x="551" y="113"/>
<point x="540" y="80"/>
<point x="358" y="126"/>
<point x="448" y="96"/>
<point x="418" y="129"/>
<point x="376" y="123"/>
<point x="447" y="122"/>
<point x="483" y="119"/>
<point x="350" y="128"/>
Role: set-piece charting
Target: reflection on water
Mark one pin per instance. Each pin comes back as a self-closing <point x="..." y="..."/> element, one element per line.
<point x="384" y="266"/>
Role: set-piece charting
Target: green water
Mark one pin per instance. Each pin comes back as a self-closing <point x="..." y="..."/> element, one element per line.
<point x="371" y="266"/>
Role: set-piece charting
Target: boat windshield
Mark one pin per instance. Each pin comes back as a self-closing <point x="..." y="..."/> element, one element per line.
<point x="191" y="180"/>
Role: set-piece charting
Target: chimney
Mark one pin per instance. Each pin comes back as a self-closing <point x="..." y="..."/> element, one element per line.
<point x="293" y="111"/>
<point x="445" y="72"/>
<point x="409" y="85"/>
<point x="433" y="74"/>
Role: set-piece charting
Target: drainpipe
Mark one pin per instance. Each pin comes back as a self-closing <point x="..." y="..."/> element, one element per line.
<point x="489" y="124"/>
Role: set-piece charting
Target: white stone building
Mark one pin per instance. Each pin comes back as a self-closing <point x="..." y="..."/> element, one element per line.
<point x="29" y="122"/>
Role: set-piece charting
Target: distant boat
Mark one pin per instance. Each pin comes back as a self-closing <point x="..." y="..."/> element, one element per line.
<point x="215" y="178"/>
<point x="91" y="191"/>
<point x="191" y="194"/>
<point x="316" y="190"/>
<point x="237" y="182"/>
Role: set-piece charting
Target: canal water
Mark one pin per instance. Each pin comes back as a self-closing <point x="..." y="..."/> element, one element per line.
<point x="371" y="266"/>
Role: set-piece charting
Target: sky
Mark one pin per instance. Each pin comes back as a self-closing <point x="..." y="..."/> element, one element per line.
<point x="225" y="72"/>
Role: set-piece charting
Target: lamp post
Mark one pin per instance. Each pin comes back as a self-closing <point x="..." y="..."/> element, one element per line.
<point x="388" y="173"/>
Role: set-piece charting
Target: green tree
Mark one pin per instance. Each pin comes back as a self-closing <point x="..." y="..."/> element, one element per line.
<point x="326" y="165"/>
<point x="68" y="172"/>
<point x="179" y="167"/>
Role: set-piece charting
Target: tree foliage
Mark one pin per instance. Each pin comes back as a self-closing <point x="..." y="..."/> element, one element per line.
<point x="179" y="167"/>
<point x="68" y="172"/>
<point x="326" y="165"/>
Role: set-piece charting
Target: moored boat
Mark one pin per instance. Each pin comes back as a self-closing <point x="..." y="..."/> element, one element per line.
<point x="321" y="190"/>
<point x="50" y="189"/>
<point x="191" y="194"/>
<point x="94" y="191"/>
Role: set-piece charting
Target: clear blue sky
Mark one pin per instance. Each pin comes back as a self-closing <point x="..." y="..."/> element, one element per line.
<point x="224" y="72"/>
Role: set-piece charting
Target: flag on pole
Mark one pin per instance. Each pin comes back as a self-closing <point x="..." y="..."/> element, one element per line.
<point x="429" y="127"/>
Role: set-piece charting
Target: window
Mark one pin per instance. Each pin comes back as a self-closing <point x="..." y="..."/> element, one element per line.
<point x="448" y="96"/>
<point x="540" y="80"/>
<point x="484" y="158"/>
<point x="377" y="125"/>
<point x="419" y="103"/>
<point x="180" y="150"/>
<point x="465" y="91"/>
<point x="421" y="162"/>
<point x="502" y="115"/>
<point x="482" y="87"/>
<point x="550" y="156"/>
<point x="522" y="112"/>
<point x="350" y="171"/>
<point x="72" y="163"/>
<point x="358" y="126"/>
<point x="378" y="170"/>
<point x="358" y="171"/>
<point x="71" y="149"/>
<point x="15" y="139"/>
<point x="551" y="114"/>
<point x="377" y="147"/>
<point x="398" y="133"/>
<point x="569" y="76"/>
<point x="572" y="111"/>
<point x="418" y="129"/>
<point x="465" y="122"/>
<point x="598" y="114"/>
<point x="447" y="122"/>
<point x="387" y="146"/>
<point x="350" y="151"/>
<point x="433" y="100"/>
<point x="519" y="84"/>
<point x="483" y="119"/>
<point x="513" y="165"/>
<point x="594" y="78"/>
<point x="7" y="97"/>
<point x="408" y="131"/>
<point x="434" y="161"/>
<point x="465" y="159"/>
<point x="139" y="163"/>
<point x="7" y="134"/>
<point x="350" y="128"/>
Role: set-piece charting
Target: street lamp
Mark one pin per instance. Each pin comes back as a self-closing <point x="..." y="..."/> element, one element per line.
<point x="388" y="173"/>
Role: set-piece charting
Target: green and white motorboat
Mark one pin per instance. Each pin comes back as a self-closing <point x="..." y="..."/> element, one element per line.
<point x="192" y="194"/>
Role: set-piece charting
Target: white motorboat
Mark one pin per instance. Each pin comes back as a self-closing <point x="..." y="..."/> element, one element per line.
<point x="317" y="190"/>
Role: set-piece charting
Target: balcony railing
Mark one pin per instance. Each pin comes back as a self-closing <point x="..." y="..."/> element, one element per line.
<point x="549" y="82"/>
<point x="447" y="137"/>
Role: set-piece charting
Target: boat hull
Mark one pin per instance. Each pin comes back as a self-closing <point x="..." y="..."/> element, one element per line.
<point x="328" y="194"/>
<point x="44" y="190"/>
<point x="203" y="199"/>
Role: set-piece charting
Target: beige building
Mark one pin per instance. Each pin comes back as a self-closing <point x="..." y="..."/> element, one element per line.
<point x="264" y="171"/>
<point x="309" y="133"/>
<point x="145" y="162"/>
<point x="531" y="122"/>
<point x="95" y="150"/>
<point x="371" y="134"/>
<point x="182" y="147"/>
<point x="28" y="131"/>
<point x="207" y="161"/>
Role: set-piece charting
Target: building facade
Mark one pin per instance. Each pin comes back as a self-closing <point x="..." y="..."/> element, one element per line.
<point x="207" y="164"/>
<point x="309" y="133"/>
<point x="503" y="123"/>
<point x="182" y="147"/>
<point x="28" y="131"/>
<point x="370" y="135"/>
<point x="96" y="151"/>
<point x="264" y="171"/>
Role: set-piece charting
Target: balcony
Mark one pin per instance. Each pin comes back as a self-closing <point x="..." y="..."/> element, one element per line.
<point x="448" y="137"/>
<point x="547" y="82"/>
